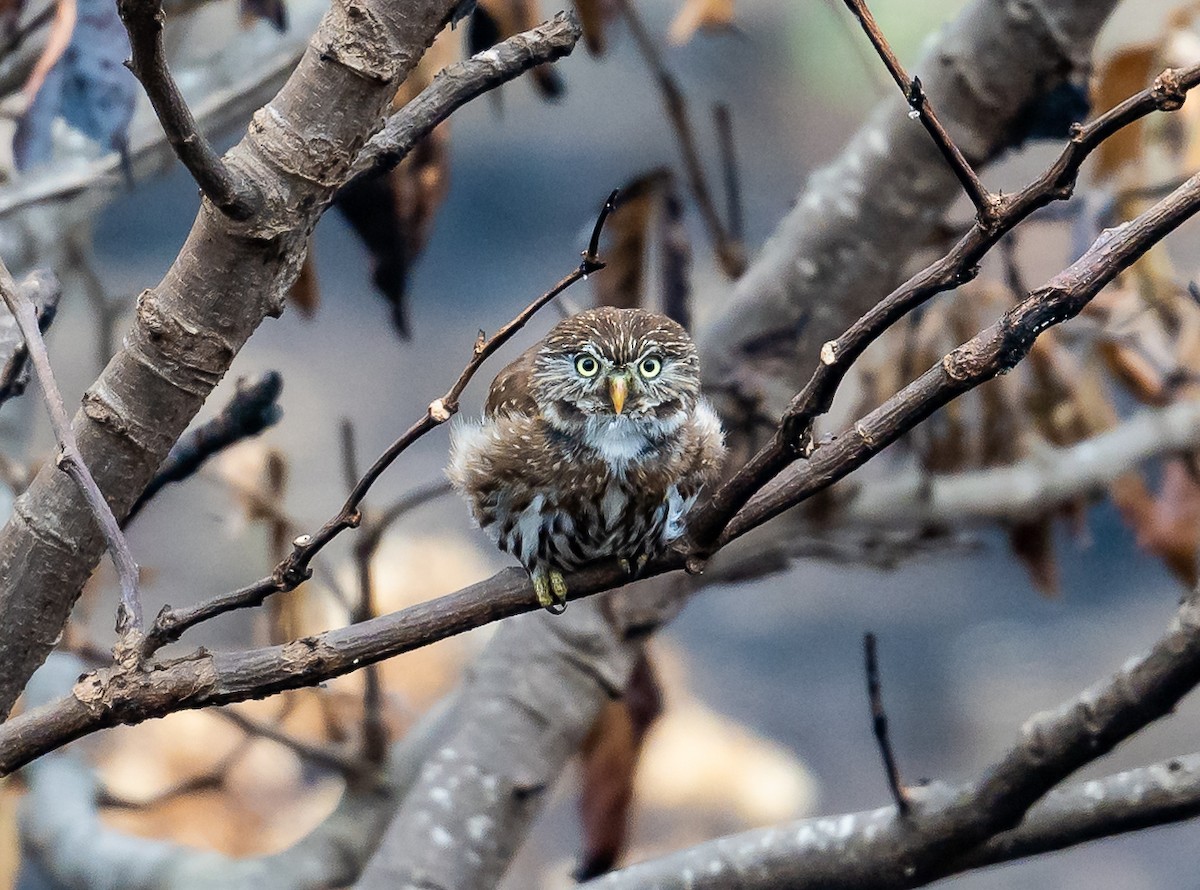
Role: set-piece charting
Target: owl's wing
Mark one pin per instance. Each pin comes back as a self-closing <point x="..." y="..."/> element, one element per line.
<point x="512" y="390"/>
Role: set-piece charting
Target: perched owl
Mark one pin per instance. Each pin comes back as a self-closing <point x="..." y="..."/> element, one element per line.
<point x="594" y="444"/>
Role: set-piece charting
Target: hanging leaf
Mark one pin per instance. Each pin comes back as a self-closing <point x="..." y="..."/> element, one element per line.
<point x="1033" y="544"/>
<point x="610" y="756"/>
<point x="273" y="11"/>
<point x="497" y="20"/>
<point x="1124" y="73"/>
<point x="1169" y="524"/>
<point x="88" y="85"/>
<point x="676" y="249"/>
<point x="699" y="15"/>
<point x="304" y="293"/>
<point x="393" y="212"/>
<point x="594" y="16"/>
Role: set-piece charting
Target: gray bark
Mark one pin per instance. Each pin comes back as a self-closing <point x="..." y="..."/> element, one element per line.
<point x="227" y="278"/>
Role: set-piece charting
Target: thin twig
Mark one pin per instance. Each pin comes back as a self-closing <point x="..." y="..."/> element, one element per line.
<point x="212" y="779"/>
<point x="253" y="408"/>
<point x="879" y="724"/>
<point x="70" y="461"/>
<point x="236" y="196"/>
<point x="350" y="471"/>
<point x="985" y="202"/>
<point x="295" y="568"/>
<point x="730" y="253"/>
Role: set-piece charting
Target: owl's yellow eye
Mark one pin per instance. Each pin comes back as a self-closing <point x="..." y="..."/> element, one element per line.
<point x="587" y="366"/>
<point x="649" y="367"/>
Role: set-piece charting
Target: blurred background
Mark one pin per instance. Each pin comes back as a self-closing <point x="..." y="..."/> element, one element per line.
<point x="766" y="714"/>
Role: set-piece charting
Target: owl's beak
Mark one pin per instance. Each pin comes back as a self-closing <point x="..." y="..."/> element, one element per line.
<point x="618" y="389"/>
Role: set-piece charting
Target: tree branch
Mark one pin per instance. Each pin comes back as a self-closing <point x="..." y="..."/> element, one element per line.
<point x="234" y="194"/>
<point x="985" y="202"/>
<point x="70" y="461"/>
<point x="860" y="219"/>
<point x="43" y="290"/>
<point x="253" y="408"/>
<point x="295" y="568"/>
<point x="457" y="84"/>
<point x="798" y="855"/>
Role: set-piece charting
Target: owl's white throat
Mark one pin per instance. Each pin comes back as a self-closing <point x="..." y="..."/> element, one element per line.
<point x="617" y="439"/>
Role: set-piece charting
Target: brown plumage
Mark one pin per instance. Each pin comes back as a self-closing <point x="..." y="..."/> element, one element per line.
<point x="594" y="443"/>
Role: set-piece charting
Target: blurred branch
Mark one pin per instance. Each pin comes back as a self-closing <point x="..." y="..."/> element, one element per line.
<point x="70" y="461"/>
<point x="253" y="408"/>
<point x="352" y="768"/>
<point x="879" y="725"/>
<point x="235" y="195"/>
<point x="730" y="252"/>
<point x="813" y="853"/>
<point x="61" y="828"/>
<point x="1049" y="477"/>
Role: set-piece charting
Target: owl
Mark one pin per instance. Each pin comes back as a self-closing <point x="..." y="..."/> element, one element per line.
<point x="594" y="444"/>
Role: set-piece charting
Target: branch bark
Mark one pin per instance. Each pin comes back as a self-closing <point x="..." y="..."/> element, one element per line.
<point x="187" y="330"/>
<point x="859" y="219"/>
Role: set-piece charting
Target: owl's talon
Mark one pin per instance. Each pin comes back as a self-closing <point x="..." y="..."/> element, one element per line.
<point x="550" y="587"/>
<point x="625" y="566"/>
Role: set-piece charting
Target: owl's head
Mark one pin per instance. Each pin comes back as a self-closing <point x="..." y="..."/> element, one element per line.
<point x="610" y="364"/>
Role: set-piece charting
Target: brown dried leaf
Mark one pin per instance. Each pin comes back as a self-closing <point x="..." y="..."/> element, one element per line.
<point x="1032" y="542"/>
<point x="1124" y="73"/>
<point x="610" y="757"/>
<point x="697" y="15"/>
<point x="305" y="294"/>
<point x="594" y="16"/>
<point x="497" y="20"/>
<point x="393" y="214"/>
<point x="1168" y="524"/>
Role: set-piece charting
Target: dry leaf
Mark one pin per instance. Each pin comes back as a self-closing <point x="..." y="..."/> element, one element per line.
<point x="610" y="757"/>
<point x="1033" y="543"/>
<point x="700" y="15"/>
<point x="594" y="16"/>
<point x="1125" y="72"/>
<point x="1168" y="525"/>
<point x="304" y="293"/>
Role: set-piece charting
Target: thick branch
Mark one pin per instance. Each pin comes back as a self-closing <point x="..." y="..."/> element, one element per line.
<point x="235" y="194"/>
<point x="802" y="854"/>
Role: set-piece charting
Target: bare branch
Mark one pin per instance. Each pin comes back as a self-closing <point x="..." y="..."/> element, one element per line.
<point x="879" y="724"/>
<point x="985" y="202"/>
<point x="331" y="758"/>
<point x="70" y="461"/>
<point x="44" y="291"/>
<point x="800" y="855"/>
<point x="235" y="195"/>
<point x="458" y="84"/>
